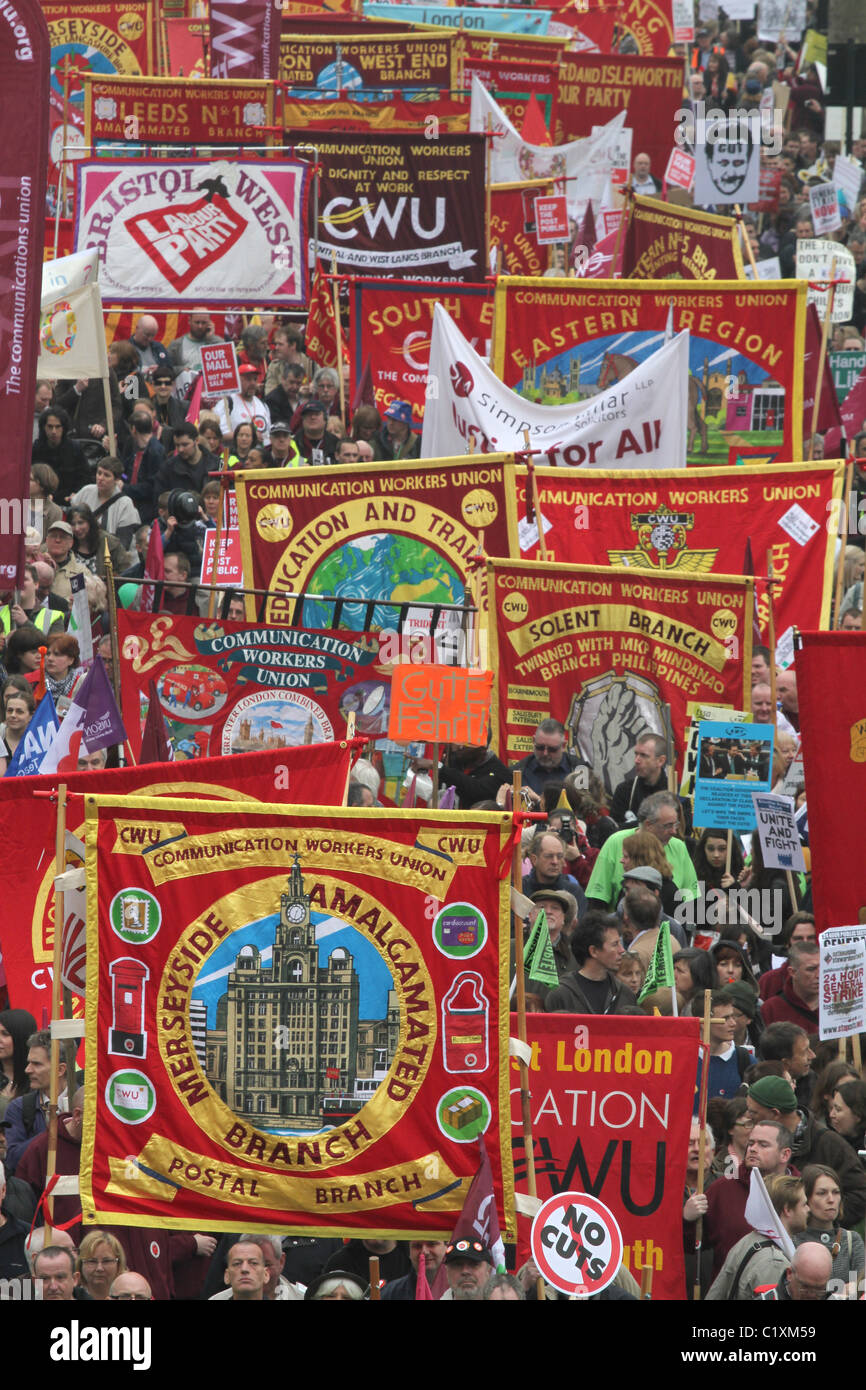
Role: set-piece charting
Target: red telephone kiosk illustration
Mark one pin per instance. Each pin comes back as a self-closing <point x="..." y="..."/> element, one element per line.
<point x="465" y="1019"/>
<point x="127" y="1037"/>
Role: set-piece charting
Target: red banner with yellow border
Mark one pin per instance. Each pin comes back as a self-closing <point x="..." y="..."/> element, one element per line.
<point x="669" y="523"/>
<point x="596" y="27"/>
<point x="562" y="340"/>
<point x="593" y="89"/>
<point x="664" y="240"/>
<point x="603" y="651"/>
<point x="296" y="1020"/>
<point x="405" y="60"/>
<point x="168" y="110"/>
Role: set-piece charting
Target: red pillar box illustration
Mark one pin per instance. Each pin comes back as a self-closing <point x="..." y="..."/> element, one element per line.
<point x="127" y="1037"/>
<point x="465" y="1018"/>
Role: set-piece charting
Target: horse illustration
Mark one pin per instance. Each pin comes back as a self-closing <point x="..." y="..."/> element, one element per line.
<point x="614" y="366"/>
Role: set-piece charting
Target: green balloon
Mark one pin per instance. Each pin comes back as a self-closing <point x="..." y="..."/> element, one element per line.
<point x="126" y="595"/>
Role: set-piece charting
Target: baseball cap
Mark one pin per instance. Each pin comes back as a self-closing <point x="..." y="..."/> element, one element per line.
<point x="311" y="408"/>
<point x="401" y="411"/>
<point x="246" y="368"/>
<point x="468" y="1250"/>
<point x="280" y="427"/>
<point x="61" y="526"/>
<point x="644" y="873"/>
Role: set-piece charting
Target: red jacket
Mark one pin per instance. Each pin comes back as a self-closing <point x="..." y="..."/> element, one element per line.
<point x="725" y="1222"/>
<point x="773" y="981"/>
<point x="788" y="1007"/>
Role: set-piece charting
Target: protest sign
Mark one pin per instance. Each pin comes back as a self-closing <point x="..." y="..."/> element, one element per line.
<point x="842" y="982"/>
<point x="109" y="36"/>
<point x="732" y="764"/>
<point x="648" y="89"/>
<point x="203" y="231"/>
<point x="163" y="110"/>
<point x="611" y="1110"/>
<point x="727" y="169"/>
<point x="825" y="208"/>
<point x="781" y="19"/>
<point x="831" y="675"/>
<point x="616" y="429"/>
<point x="696" y="713"/>
<point x="683" y="14"/>
<point x="391" y="322"/>
<point x="551" y="219"/>
<point x="324" y="65"/>
<point x="662" y="240"/>
<point x="229" y="571"/>
<point x="815" y="260"/>
<point x="282" y="913"/>
<point x="401" y="204"/>
<point x="219" y="369"/>
<point x="576" y="1244"/>
<point x="368" y="532"/>
<point x="680" y="169"/>
<point x="746" y="348"/>
<point x="846" y="367"/>
<point x="847" y="177"/>
<point x="780" y="840"/>
<point x="316" y="774"/>
<point x="604" y="651"/>
<point x="439" y="704"/>
<point x="228" y="687"/>
<point x="664" y="522"/>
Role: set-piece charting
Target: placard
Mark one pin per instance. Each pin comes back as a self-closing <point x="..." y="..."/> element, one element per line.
<point x="576" y="1244"/>
<point x="551" y="220"/>
<point x="781" y="847"/>
<point x="731" y="765"/>
<point x="842" y="998"/>
<point x="219" y="369"/>
<point x="440" y="704"/>
<point x="824" y="203"/>
<point x="815" y="260"/>
<point x="229" y="572"/>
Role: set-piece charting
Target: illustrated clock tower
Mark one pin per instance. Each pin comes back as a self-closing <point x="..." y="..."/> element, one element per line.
<point x="296" y="955"/>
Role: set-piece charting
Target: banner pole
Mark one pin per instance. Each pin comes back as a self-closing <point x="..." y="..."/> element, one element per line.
<point x="338" y="334"/>
<point x="846" y="502"/>
<point x="375" y="1296"/>
<point x="628" y="194"/>
<point x="525" y="1098"/>
<point x="729" y="850"/>
<point x="646" y="1283"/>
<point x="109" y="418"/>
<point x="822" y="356"/>
<point x="56" y="990"/>
<point x="771" y="632"/>
<point x="211" y="598"/>
<point x="487" y="190"/>
<point x="350" y="734"/>
<point x="745" y="239"/>
<point x="702" y="1143"/>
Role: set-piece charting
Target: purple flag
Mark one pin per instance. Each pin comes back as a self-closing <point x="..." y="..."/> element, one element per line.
<point x="92" y="720"/>
<point x="479" y="1219"/>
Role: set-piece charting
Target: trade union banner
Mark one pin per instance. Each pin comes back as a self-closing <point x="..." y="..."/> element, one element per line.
<point x="667" y="523"/>
<point x="215" y="232"/>
<point x="643" y="423"/>
<point x="165" y="110"/>
<point x="512" y="230"/>
<point x="566" y="340"/>
<point x="313" y="774"/>
<point x="605" y="651"/>
<point x="531" y="21"/>
<point x="662" y="240"/>
<point x="511" y="84"/>
<point x="647" y="23"/>
<point x="831" y="669"/>
<point x="102" y="39"/>
<point x="512" y="48"/>
<point x="391" y="325"/>
<point x="296" y="1018"/>
<point x="365" y="533"/>
<point x="244" y="38"/>
<point x="649" y="90"/>
<point x="388" y="111"/>
<point x="324" y="65"/>
<point x="402" y="204"/>
<point x="611" y="1115"/>
<point x="24" y="61"/>
<point x="236" y="688"/>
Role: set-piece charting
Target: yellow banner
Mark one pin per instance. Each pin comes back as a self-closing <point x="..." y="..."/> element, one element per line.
<point x="620" y="617"/>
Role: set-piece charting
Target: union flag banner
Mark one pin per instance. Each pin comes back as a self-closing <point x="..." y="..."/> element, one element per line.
<point x="400" y="203"/>
<point x="100" y="38"/>
<point x="244" y="38"/>
<point x="28" y="826"/>
<point x="598" y="27"/>
<point x="663" y="240"/>
<point x="195" y="230"/>
<point x="611" y="1114"/>
<point x="831" y="688"/>
<point x="366" y="532"/>
<point x="296" y="1019"/>
<point x="649" y="89"/>
<point x="324" y="340"/>
<point x="391" y="323"/>
<point x="510" y="217"/>
<point x="512" y="83"/>
<point x="329" y="63"/>
<point x="390" y="111"/>
<point x="565" y="340"/>
<point x="236" y="688"/>
<point x="603" y="651"/>
<point x="667" y="523"/>
<point x="185" y="47"/>
<point x="165" y="110"/>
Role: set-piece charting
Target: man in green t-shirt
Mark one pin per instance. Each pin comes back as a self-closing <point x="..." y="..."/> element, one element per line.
<point x="659" y="814"/>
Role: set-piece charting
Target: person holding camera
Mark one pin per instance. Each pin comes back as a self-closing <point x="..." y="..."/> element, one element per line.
<point x="143" y="456"/>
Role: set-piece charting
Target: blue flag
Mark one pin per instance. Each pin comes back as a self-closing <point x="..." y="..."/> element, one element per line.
<point x="27" y="758"/>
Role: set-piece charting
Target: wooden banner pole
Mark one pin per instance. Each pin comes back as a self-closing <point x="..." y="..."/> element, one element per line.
<point x="771" y="632"/>
<point x="525" y="1098"/>
<point x="846" y="502"/>
<point x="702" y="1143"/>
<point x="56" y="993"/>
<point x="822" y="356"/>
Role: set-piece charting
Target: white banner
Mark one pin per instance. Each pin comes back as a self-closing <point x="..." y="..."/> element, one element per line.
<point x="815" y="261"/>
<point x="639" y="422"/>
<point x="71" y="332"/>
<point x="842" y="1001"/>
<point x="777" y="828"/>
<point x="586" y="164"/>
<point x="726" y="171"/>
<point x="195" y="231"/>
<point x="781" y="19"/>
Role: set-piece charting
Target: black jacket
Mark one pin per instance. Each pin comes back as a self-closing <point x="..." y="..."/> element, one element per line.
<point x="569" y="998"/>
<point x="480" y="783"/>
<point x="813" y="1143"/>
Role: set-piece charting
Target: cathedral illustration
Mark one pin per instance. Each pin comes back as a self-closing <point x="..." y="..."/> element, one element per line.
<point x="287" y="1035"/>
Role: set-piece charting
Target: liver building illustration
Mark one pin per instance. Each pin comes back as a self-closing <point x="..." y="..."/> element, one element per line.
<point x="289" y="1050"/>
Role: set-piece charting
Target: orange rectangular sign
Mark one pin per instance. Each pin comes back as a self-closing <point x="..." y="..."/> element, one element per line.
<point x="440" y="704"/>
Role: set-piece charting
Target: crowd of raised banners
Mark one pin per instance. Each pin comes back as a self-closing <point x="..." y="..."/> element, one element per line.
<point x="431" y="717"/>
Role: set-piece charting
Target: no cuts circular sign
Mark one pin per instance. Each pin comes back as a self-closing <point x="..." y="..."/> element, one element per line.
<point x="576" y="1243"/>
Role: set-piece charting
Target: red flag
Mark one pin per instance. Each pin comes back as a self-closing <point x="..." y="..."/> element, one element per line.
<point x="155" y="745"/>
<point x="320" y="339"/>
<point x="422" y="1288"/>
<point x="479" y="1219"/>
<point x="600" y="265"/>
<point x="828" y="410"/>
<point x="749" y="568"/>
<point x="364" y="391"/>
<point x="534" y="130"/>
<point x="195" y="396"/>
<point x="831" y="678"/>
<point x="154" y="568"/>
